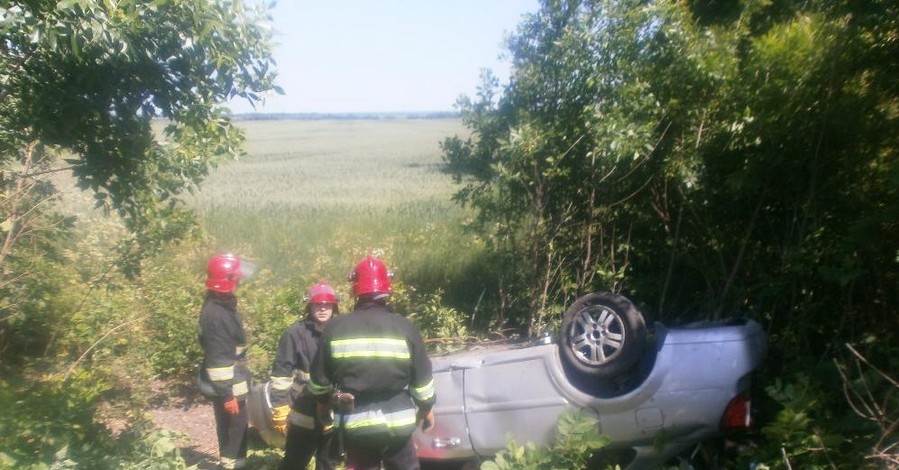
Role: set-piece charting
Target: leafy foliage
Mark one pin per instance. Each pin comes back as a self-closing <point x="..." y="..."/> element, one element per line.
<point x="578" y="437"/>
<point x="629" y="131"/>
<point x="708" y="159"/>
<point x="813" y="427"/>
<point x="89" y="77"/>
<point x="51" y="425"/>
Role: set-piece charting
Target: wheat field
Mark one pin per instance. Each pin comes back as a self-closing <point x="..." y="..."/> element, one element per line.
<point x="312" y="196"/>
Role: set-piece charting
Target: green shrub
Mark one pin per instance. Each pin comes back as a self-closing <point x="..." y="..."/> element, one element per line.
<point x="430" y="314"/>
<point x="577" y="439"/>
<point x="810" y="425"/>
<point x="51" y="423"/>
<point x="169" y="300"/>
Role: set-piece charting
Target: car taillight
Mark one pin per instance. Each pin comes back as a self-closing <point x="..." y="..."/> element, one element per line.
<point x="737" y="414"/>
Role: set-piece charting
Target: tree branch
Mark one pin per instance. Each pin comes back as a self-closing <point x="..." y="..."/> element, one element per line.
<point x="83" y="355"/>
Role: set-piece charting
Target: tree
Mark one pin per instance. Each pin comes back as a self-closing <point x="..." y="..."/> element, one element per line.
<point x="712" y="159"/>
<point x="87" y="80"/>
<point x="638" y="139"/>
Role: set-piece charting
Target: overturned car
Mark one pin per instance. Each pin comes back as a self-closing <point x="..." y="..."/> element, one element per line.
<point x="656" y="395"/>
<point x="655" y="400"/>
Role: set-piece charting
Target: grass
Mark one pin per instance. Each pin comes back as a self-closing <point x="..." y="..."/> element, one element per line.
<point x="334" y="165"/>
<point x="312" y="197"/>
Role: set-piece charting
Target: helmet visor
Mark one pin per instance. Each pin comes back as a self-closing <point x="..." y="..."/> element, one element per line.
<point x="247" y="270"/>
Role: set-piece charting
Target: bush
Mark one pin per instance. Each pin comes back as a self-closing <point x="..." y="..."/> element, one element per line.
<point x="578" y="438"/>
<point x="51" y="423"/>
<point x="811" y="426"/>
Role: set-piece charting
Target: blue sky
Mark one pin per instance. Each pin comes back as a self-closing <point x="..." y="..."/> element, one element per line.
<point x="386" y="55"/>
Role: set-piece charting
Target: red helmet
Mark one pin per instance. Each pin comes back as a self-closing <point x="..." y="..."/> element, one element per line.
<point x="370" y="277"/>
<point x="225" y="272"/>
<point x="321" y="293"/>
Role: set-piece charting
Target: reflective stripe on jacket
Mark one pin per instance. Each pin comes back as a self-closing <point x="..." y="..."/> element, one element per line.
<point x="380" y="358"/>
<point x="392" y="417"/>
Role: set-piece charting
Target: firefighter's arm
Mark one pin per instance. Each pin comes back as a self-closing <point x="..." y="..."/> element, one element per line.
<point x="281" y="379"/>
<point x="422" y="383"/>
<point x="220" y="357"/>
<point x="320" y="388"/>
<point x="422" y="386"/>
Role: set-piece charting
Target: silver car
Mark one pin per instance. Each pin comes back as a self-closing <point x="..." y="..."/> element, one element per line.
<point x="655" y="398"/>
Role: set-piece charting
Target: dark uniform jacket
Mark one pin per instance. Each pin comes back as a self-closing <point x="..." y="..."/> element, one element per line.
<point x="224" y="346"/>
<point x="380" y="358"/>
<point x="290" y="372"/>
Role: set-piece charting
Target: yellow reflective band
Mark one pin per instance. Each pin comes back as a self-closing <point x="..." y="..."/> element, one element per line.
<point x="370" y="347"/>
<point x="218" y="374"/>
<point x="240" y="388"/>
<point x="280" y="383"/>
<point x="279" y="413"/>
<point x="230" y="463"/>
<point x="425" y="392"/>
<point x="369" y="418"/>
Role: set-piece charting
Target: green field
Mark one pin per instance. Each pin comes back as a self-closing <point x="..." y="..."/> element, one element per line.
<point x="310" y="197"/>
<point x="348" y="164"/>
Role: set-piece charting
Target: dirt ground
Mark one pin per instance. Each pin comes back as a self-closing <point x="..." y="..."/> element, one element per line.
<point x="184" y="411"/>
<point x="179" y="407"/>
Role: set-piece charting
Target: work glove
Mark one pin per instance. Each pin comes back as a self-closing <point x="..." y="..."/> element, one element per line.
<point x="231" y="406"/>
<point x="279" y="418"/>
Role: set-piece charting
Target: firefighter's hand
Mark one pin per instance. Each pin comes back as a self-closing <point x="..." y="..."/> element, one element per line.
<point x="343" y="402"/>
<point x="279" y="418"/>
<point x="428" y="421"/>
<point x="327" y="428"/>
<point x="231" y="406"/>
<point x="323" y="413"/>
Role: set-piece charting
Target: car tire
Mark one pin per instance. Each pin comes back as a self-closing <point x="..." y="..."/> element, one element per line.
<point x="603" y="335"/>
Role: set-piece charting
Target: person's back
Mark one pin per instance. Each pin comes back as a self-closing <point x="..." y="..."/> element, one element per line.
<point x="378" y="358"/>
<point x="373" y="350"/>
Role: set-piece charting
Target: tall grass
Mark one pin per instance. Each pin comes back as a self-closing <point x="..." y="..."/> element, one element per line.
<point x="311" y="197"/>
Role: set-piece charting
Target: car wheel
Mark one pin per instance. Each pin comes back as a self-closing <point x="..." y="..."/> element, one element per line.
<point x="602" y="335"/>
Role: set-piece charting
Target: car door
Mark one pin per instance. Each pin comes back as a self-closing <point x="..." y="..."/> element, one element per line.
<point x="512" y="394"/>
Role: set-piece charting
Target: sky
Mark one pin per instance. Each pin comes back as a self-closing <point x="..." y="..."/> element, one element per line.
<point x="349" y="56"/>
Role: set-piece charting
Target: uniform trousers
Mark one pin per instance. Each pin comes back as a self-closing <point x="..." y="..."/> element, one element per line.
<point x="301" y="444"/>
<point x="232" y="434"/>
<point x="397" y="453"/>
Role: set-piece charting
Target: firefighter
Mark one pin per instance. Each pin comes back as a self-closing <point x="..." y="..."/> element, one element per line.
<point x="373" y="363"/>
<point x="293" y="412"/>
<point x="224" y="345"/>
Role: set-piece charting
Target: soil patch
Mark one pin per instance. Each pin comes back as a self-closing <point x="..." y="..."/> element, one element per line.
<point x="178" y="407"/>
